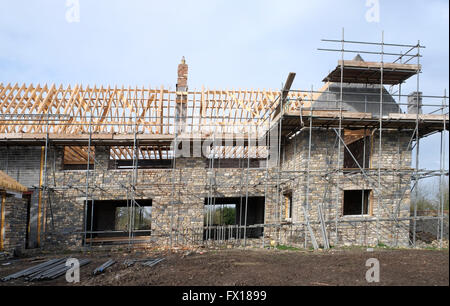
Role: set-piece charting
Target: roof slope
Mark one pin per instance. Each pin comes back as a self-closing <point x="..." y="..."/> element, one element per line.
<point x="8" y="183"/>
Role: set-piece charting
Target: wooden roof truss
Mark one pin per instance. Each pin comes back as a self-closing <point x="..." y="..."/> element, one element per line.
<point x="106" y="110"/>
<point x="77" y="155"/>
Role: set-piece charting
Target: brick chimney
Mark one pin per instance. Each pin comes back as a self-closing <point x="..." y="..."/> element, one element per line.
<point x="181" y="99"/>
<point x="182" y="76"/>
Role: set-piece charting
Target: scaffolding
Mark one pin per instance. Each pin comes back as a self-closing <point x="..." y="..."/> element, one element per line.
<point x="143" y="124"/>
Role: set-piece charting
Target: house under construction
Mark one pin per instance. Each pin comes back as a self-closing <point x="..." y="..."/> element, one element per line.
<point x="84" y="166"/>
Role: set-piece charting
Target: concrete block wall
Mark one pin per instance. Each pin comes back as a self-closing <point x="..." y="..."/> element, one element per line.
<point x="23" y="163"/>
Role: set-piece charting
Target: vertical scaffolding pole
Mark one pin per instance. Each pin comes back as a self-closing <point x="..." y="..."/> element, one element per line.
<point x="400" y="90"/>
<point x="306" y="206"/>
<point x="87" y="180"/>
<point x="363" y="166"/>
<point x="241" y="166"/>
<point x="338" y="166"/>
<point x="246" y="187"/>
<point x="266" y="178"/>
<point x="92" y="207"/>
<point x="44" y="186"/>
<point x="380" y="135"/>
<point x="417" y="146"/>
<point x="280" y="124"/>
<point x="400" y="177"/>
<point x="442" y="164"/>
<point x="212" y="184"/>
<point x="134" y="173"/>
<point x="171" y="203"/>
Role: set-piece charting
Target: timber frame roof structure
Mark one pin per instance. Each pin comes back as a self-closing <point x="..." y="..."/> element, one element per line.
<point x="68" y="110"/>
<point x="119" y="117"/>
<point x="112" y="115"/>
<point x="72" y="115"/>
<point x="9" y="184"/>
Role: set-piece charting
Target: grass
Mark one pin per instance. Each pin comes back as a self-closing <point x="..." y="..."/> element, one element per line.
<point x="432" y="248"/>
<point x="381" y="245"/>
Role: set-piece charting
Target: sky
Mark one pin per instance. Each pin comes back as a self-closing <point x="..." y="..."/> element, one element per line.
<point x="228" y="44"/>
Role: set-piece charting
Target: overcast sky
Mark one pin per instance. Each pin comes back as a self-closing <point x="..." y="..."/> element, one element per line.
<point x="227" y="44"/>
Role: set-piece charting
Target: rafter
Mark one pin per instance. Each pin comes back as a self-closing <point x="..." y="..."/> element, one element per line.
<point x="113" y="109"/>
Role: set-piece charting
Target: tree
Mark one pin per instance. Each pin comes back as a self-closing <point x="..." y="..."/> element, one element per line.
<point x="445" y="194"/>
<point x="422" y="198"/>
<point x="229" y="215"/>
<point x="428" y="195"/>
<point x="225" y="215"/>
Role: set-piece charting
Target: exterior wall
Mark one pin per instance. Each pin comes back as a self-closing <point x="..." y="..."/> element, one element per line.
<point x="23" y="163"/>
<point x="392" y="201"/>
<point x="181" y="191"/>
<point x="15" y="223"/>
<point x="178" y="195"/>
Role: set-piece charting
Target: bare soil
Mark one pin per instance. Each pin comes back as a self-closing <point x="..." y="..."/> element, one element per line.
<point x="255" y="267"/>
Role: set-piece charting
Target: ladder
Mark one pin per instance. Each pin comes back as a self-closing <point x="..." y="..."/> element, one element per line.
<point x="323" y="229"/>
<point x="308" y="225"/>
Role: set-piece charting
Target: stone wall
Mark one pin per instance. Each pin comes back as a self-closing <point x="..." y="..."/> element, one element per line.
<point x="23" y="163"/>
<point x="326" y="188"/>
<point x="178" y="195"/>
<point x="15" y="223"/>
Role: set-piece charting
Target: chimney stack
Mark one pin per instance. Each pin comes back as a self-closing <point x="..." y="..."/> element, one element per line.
<point x="182" y="76"/>
<point x="415" y="103"/>
<point x="181" y="99"/>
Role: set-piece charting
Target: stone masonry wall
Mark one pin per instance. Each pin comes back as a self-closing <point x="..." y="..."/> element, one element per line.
<point x="178" y="195"/>
<point x="15" y="226"/>
<point x="327" y="186"/>
<point x="23" y="163"/>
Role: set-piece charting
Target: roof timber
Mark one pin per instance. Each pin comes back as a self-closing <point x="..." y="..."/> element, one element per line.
<point x="106" y="110"/>
<point x="111" y="106"/>
<point x="359" y="71"/>
<point x="113" y="116"/>
<point x="78" y="154"/>
<point x="427" y="124"/>
<point x="8" y="183"/>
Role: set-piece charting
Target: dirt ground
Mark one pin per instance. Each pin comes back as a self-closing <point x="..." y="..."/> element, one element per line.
<point x="255" y="267"/>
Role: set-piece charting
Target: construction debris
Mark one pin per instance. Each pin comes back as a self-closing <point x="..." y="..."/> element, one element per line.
<point x="34" y="269"/>
<point x="153" y="262"/>
<point x="104" y="266"/>
<point x="51" y="269"/>
<point x="131" y="262"/>
<point x="5" y="256"/>
<point x="54" y="272"/>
